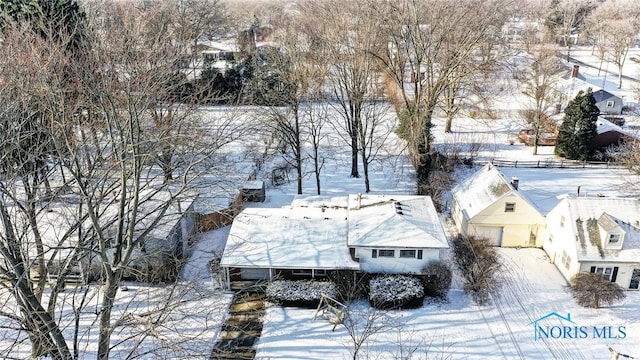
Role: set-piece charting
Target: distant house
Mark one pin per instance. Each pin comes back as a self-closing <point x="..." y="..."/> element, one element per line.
<point x="488" y="205"/>
<point x="318" y="234"/>
<point x="598" y="235"/>
<point x="608" y="103"/>
<point x="608" y="133"/>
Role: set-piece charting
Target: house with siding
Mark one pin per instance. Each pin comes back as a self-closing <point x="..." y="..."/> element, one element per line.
<point x="598" y="235"/>
<point x="316" y="235"/>
<point x="487" y="204"/>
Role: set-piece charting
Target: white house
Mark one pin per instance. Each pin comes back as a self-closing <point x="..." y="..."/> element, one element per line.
<point x="318" y="234"/>
<point x="394" y="234"/>
<point x="596" y="234"/>
<point x="488" y="205"/>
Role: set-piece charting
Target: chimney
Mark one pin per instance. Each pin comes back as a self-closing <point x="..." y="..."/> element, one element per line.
<point x="514" y="182"/>
<point x="575" y="71"/>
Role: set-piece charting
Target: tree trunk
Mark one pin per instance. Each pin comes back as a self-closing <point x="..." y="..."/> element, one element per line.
<point x="354" y="156"/>
<point x="110" y="288"/>
<point x="365" y="169"/>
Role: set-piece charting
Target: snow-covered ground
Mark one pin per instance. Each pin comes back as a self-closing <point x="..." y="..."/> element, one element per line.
<point x="456" y="329"/>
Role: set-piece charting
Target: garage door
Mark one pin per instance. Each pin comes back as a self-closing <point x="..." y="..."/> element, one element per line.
<point x="255" y="274"/>
<point x="493" y="233"/>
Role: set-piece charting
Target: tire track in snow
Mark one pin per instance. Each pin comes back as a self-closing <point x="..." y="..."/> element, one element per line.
<point x="515" y="287"/>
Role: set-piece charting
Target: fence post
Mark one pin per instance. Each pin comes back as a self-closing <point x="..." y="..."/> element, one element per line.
<point x="515" y="164"/>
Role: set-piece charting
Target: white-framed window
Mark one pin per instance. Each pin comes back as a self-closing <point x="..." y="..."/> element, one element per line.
<point x="308" y="272"/>
<point x="509" y="207"/>
<point x="607" y="272"/>
<point x="610" y="103"/>
<point x="386" y="253"/>
<point x="614" y="238"/>
<point x="566" y="260"/>
<point x="407" y="253"/>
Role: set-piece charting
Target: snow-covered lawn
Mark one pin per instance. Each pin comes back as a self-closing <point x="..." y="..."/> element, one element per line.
<point x="458" y="329"/>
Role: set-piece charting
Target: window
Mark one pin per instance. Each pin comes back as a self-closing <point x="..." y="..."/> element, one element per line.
<point x="610" y="103"/>
<point x="407" y="253"/>
<point x="609" y="273"/>
<point x="566" y="260"/>
<point x="301" y="272"/>
<point x="605" y="271"/>
<point x="386" y="253"/>
<point x="374" y="253"/>
<point x="614" y="238"/>
<point x="509" y="207"/>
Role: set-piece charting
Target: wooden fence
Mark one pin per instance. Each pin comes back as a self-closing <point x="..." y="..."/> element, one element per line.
<point x="549" y="163"/>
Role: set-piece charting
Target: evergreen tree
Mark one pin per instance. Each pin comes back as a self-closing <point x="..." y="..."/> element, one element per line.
<point x="578" y="127"/>
<point x="48" y="18"/>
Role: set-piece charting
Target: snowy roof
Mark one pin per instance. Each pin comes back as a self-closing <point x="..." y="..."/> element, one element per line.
<point x="394" y="221"/>
<point x="481" y="189"/>
<point x="624" y="212"/>
<point x="228" y="46"/>
<point x="311" y="237"/>
<point x="604" y="126"/>
<point x="314" y="233"/>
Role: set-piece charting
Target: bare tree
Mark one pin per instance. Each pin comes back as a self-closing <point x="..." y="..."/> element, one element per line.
<point x="290" y="77"/>
<point x="539" y="84"/>
<point x="348" y="33"/>
<point x="316" y="116"/>
<point x="426" y="52"/>
<point x="362" y="323"/>
<point x="566" y="19"/>
<point x="594" y="290"/>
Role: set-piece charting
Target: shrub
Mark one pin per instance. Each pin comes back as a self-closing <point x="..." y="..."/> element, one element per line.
<point x="301" y="293"/>
<point x="436" y="279"/>
<point x="479" y="264"/>
<point x="592" y="290"/>
<point x="349" y="287"/>
<point x="395" y="292"/>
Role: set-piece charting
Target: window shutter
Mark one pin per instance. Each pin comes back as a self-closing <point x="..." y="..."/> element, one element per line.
<point x="419" y="254"/>
<point x="615" y="274"/>
<point x="374" y="253"/>
<point x="593" y="269"/>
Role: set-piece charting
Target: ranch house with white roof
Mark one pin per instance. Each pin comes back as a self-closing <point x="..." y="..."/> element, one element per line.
<point x="319" y="234"/>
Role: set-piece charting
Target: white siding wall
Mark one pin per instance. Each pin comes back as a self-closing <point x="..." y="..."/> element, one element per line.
<point x="395" y="265"/>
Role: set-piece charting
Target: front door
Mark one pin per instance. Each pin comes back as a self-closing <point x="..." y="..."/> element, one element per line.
<point x="635" y="279"/>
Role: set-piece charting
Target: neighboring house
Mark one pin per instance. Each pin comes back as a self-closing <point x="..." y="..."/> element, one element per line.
<point x="488" y="205"/>
<point x="608" y="103"/>
<point x="608" y="133"/>
<point x="596" y="234"/>
<point x="318" y="234"/>
<point x="152" y="259"/>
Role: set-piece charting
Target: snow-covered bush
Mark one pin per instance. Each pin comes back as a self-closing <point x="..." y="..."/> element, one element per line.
<point x="395" y="292"/>
<point x="302" y="293"/>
